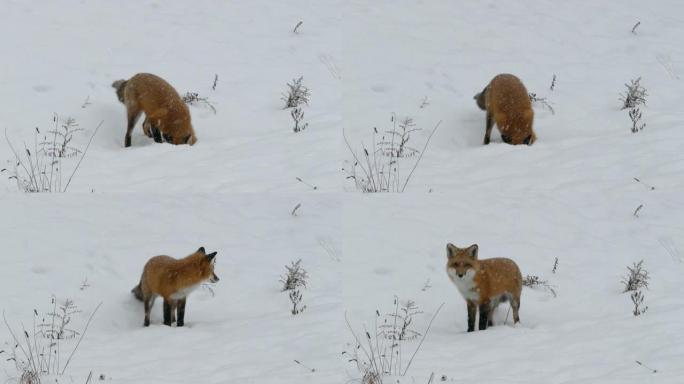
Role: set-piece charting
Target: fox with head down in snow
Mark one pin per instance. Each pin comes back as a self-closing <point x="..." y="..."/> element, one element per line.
<point x="484" y="283"/>
<point x="167" y="117"/>
<point x="508" y="105"/>
<point x="173" y="280"/>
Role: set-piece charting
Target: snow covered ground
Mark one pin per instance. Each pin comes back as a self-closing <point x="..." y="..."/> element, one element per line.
<point x="571" y="196"/>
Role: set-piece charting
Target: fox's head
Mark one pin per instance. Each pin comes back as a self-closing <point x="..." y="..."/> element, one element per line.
<point x="179" y="125"/>
<point x="462" y="262"/>
<point x="206" y="263"/>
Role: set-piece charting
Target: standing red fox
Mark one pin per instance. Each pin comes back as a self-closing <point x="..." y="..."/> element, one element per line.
<point x="484" y="283"/>
<point x="174" y="279"/>
<point x="508" y="104"/>
<point x="166" y="115"/>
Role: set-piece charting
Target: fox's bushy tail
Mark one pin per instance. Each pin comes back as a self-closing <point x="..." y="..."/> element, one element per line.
<point x="137" y="292"/>
<point x="120" y="85"/>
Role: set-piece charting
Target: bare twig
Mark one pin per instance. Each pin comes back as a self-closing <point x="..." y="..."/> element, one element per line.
<point x="635" y="27"/>
<point x="80" y="338"/>
<point x="420" y="156"/>
<point x="297" y="26"/>
<point x="646" y="366"/>
<point x="213" y="86"/>
<point x="644" y="184"/>
<point x="304" y="366"/>
<point x="307" y="184"/>
<point x="424" y="103"/>
<point x="423" y="339"/>
<point x="86" y="102"/>
<point x="294" y="211"/>
<point x="82" y="155"/>
<point x="636" y="211"/>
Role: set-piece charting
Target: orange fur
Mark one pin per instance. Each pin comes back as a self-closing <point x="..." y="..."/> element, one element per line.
<point x="484" y="283"/>
<point x="173" y="279"/>
<point x="167" y="117"/>
<point x="508" y="105"/>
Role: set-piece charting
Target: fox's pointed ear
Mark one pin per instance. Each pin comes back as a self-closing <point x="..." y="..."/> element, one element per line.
<point x="451" y="250"/>
<point x="201" y="250"/>
<point x="211" y="256"/>
<point x="472" y="251"/>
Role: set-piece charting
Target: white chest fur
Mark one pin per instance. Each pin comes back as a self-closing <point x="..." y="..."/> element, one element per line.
<point x="465" y="284"/>
<point x="184" y="292"/>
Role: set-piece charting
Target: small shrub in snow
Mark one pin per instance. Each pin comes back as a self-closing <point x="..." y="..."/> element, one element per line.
<point x="39" y="169"/>
<point x="297" y="94"/>
<point x="194" y="99"/>
<point x="376" y="356"/>
<point x="635" y="95"/>
<point x="295" y="277"/>
<point x="378" y="171"/>
<point x="533" y="281"/>
<point x="555" y="265"/>
<point x="635" y="116"/>
<point x="39" y="354"/>
<point x="55" y="324"/>
<point x="298" y="118"/>
<point x="636" y="278"/>
<point x="296" y="299"/>
<point x="553" y="83"/>
<point x="395" y="141"/>
<point x="542" y="101"/>
<point x="634" y="28"/>
<point x="398" y="324"/>
<point x="638" y="301"/>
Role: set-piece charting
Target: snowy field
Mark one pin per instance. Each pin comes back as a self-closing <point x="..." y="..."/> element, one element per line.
<point x="572" y="196"/>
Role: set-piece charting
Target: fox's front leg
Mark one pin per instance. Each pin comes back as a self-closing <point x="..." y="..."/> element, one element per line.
<point x="174" y="305"/>
<point x="147" y="127"/>
<point x="472" y="310"/>
<point x="181" y="312"/>
<point x="167" y="312"/>
<point x="484" y="316"/>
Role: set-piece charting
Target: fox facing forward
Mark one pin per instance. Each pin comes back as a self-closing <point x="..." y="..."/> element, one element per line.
<point x="484" y="283"/>
<point x="167" y="117"/>
<point x="508" y="105"/>
<point x="173" y="280"/>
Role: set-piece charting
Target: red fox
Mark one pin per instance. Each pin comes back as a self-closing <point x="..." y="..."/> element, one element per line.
<point x="174" y="279"/>
<point x="166" y="115"/>
<point x="508" y="104"/>
<point x="484" y="283"/>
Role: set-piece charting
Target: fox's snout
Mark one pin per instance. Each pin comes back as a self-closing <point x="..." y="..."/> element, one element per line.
<point x="460" y="275"/>
<point x="214" y="278"/>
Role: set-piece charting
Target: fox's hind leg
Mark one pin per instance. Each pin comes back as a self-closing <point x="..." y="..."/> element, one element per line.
<point x="488" y="127"/>
<point x="181" y="312"/>
<point x="133" y="115"/>
<point x="515" y="305"/>
<point x="148" y="301"/>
